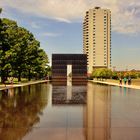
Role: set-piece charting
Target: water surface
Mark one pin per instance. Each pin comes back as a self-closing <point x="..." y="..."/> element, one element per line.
<point x="87" y="112"/>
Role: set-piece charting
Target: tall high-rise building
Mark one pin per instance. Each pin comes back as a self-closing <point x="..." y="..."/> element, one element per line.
<point x="97" y="38"/>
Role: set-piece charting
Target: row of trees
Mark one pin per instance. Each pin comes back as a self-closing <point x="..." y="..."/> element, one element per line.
<point x="20" y="52"/>
<point x="122" y="74"/>
<point x="104" y="73"/>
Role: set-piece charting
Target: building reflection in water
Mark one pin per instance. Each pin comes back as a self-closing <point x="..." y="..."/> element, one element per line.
<point x="96" y="107"/>
<point x="70" y="94"/>
<point x="98" y="112"/>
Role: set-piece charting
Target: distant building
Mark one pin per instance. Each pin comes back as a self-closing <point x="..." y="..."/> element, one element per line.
<point x="97" y="38"/>
<point x="69" y="67"/>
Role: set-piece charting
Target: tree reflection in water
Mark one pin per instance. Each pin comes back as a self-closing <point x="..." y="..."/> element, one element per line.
<point x="20" y="110"/>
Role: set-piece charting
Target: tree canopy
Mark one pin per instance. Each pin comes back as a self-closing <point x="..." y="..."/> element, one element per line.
<point x="20" y="52"/>
<point x="102" y="73"/>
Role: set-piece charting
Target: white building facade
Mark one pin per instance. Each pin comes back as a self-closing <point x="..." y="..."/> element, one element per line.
<point x="97" y="38"/>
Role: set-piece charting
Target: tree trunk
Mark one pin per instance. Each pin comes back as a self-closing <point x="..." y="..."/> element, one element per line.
<point x="29" y="76"/>
<point x="19" y="76"/>
<point x="3" y="77"/>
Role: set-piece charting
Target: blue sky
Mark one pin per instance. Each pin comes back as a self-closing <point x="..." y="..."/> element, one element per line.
<point x="57" y="24"/>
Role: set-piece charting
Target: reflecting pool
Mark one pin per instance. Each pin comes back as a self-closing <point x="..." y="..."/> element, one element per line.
<point x="80" y="112"/>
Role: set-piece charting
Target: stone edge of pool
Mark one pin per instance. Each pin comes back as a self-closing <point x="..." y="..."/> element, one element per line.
<point x="22" y="84"/>
<point x="115" y="84"/>
<point x="93" y="81"/>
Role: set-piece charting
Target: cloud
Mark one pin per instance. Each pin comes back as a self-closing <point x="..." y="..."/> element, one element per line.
<point x="34" y="25"/>
<point x="125" y="14"/>
<point x="61" y="10"/>
<point x="62" y="20"/>
<point x="49" y="34"/>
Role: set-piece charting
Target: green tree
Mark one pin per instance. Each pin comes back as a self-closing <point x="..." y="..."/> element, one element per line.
<point x="102" y="73"/>
<point x="115" y="75"/>
<point x="38" y="64"/>
<point x="20" y="52"/>
<point x="7" y="32"/>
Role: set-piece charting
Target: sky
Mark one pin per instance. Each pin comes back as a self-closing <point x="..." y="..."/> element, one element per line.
<point x="57" y="24"/>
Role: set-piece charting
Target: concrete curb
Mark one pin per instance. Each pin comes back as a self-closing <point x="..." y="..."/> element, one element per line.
<point x="23" y="84"/>
<point x="115" y="84"/>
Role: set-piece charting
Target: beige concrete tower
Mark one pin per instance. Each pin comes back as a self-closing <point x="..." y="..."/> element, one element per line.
<point x="97" y="38"/>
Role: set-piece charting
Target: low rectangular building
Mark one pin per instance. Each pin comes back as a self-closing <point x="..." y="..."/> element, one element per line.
<point x="69" y="67"/>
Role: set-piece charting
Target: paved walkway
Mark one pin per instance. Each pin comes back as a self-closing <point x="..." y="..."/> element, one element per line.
<point x="116" y="84"/>
<point x="2" y="87"/>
